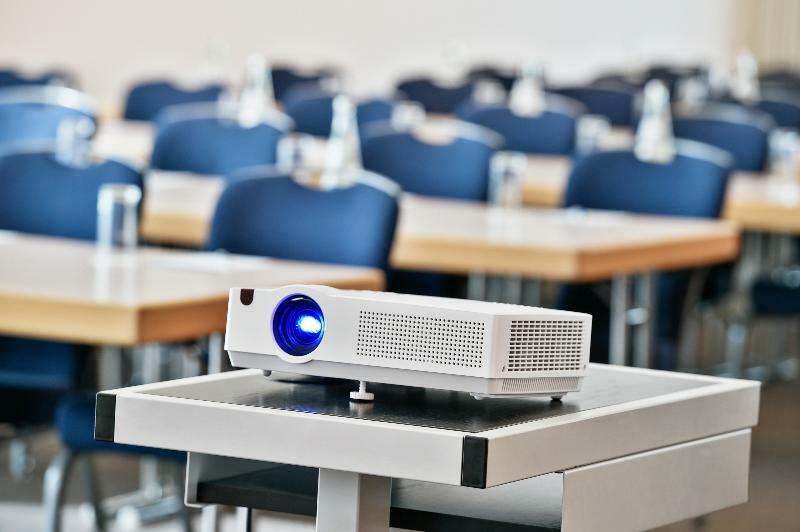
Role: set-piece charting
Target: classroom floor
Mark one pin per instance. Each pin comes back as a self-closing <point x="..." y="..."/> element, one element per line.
<point x="774" y="504"/>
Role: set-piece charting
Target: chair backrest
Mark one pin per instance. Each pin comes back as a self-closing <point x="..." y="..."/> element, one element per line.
<point x="433" y="97"/>
<point x="34" y="113"/>
<point x="285" y="78"/>
<point x="311" y="109"/>
<point x="505" y="77"/>
<point x="146" y="100"/>
<point x="744" y="133"/>
<point x="671" y="75"/>
<point x="614" y="103"/>
<point x="782" y="105"/>
<point x="457" y="169"/>
<point x="10" y="77"/>
<point x="40" y="195"/>
<point x="692" y="184"/>
<point x="269" y="214"/>
<point x="550" y="132"/>
<point x="206" y="139"/>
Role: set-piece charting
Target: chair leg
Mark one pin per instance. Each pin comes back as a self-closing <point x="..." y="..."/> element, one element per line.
<point x="92" y="492"/>
<point x="55" y="484"/>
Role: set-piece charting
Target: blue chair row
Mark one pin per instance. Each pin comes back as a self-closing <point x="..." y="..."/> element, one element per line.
<point x="145" y="100"/>
<point x="10" y="77"/>
<point x="434" y="97"/>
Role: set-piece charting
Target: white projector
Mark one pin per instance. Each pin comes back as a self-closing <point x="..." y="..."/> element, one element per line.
<point x="485" y="349"/>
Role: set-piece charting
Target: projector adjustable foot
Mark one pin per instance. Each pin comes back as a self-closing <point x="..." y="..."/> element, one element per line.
<point x="362" y="394"/>
<point x="556" y="398"/>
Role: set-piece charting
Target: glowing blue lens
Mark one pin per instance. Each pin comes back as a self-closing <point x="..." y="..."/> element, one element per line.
<point x="298" y="325"/>
<point x="309" y="324"/>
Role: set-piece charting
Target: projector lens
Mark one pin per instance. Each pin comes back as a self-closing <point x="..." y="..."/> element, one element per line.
<point x="298" y="325"/>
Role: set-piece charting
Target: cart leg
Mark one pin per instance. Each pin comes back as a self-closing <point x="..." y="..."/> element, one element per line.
<point x="351" y="502"/>
<point x="244" y="520"/>
<point x="209" y="521"/>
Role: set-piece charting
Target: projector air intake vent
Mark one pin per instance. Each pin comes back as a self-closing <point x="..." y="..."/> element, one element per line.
<point x="413" y="338"/>
<point x="545" y="345"/>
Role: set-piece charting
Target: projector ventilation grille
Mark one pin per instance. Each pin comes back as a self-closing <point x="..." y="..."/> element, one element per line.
<point x="545" y="345"/>
<point x="543" y="385"/>
<point x="413" y="338"/>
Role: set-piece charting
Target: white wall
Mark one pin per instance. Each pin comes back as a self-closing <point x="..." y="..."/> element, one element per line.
<point x="109" y="43"/>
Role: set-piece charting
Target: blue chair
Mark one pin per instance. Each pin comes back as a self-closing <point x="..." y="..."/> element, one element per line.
<point x="781" y="78"/>
<point x="671" y="75"/>
<point x="146" y="100"/>
<point x="551" y="132"/>
<point x="262" y="212"/>
<point x="458" y="169"/>
<point x="433" y="97"/>
<point x="505" y="77"/>
<point x="10" y="77"/>
<point x="34" y="113"/>
<point x="616" y="103"/>
<point x="40" y="195"/>
<point x="741" y="132"/>
<point x="285" y="78"/>
<point x="75" y="418"/>
<point x="783" y="106"/>
<point x="617" y="180"/>
<point x="206" y="139"/>
<point x="311" y="109"/>
<point x="777" y="294"/>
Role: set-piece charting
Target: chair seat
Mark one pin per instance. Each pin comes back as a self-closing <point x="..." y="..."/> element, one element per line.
<point x="40" y="365"/>
<point x="75" y="423"/>
<point x="778" y="294"/>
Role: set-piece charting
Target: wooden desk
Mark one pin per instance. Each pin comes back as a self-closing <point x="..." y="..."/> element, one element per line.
<point x="561" y="245"/>
<point x="125" y="139"/>
<point x="67" y="290"/>
<point x="463" y="237"/>
<point x="762" y="204"/>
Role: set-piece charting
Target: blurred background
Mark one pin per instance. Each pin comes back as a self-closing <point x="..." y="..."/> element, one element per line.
<point x="161" y="111"/>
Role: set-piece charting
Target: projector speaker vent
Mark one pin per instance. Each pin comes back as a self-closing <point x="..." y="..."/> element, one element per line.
<point x="545" y="345"/>
<point x="413" y="338"/>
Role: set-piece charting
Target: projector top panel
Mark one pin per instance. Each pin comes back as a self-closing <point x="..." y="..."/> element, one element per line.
<point x="444" y="303"/>
<point x="433" y="408"/>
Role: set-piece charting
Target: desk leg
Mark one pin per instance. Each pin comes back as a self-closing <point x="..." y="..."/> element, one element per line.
<point x="209" y="521"/>
<point x="476" y="286"/>
<point x="644" y="339"/>
<point x="215" y="353"/>
<point x="618" y="337"/>
<point x="351" y="502"/>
